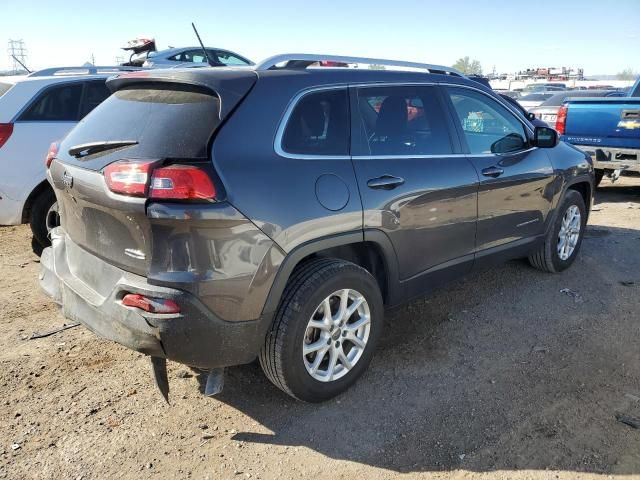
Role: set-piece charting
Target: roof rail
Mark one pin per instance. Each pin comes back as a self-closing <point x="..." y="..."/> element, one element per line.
<point x="303" y="60"/>
<point x="82" y="70"/>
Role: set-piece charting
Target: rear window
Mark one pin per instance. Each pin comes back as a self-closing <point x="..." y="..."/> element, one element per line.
<point x="57" y="104"/>
<point x="166" y="121"/>
<point x="4" y="88"/>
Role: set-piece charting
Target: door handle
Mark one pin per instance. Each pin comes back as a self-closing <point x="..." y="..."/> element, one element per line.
<point x="385" y="182"/>
<point x="492" y="171"/>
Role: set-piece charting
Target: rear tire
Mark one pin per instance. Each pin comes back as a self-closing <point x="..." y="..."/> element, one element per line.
<point x="340" y="344"/>
<point x="42" y="207"/>
<point x="568" y="228"/>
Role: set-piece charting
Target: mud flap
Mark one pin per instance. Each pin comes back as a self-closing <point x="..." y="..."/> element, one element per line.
<point x="215" y="382"/>
<point x="159" y="366"/>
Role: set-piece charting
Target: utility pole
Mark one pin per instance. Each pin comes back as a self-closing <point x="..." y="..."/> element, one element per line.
<point x="17" y="54"/>
<point x="93" y="60"/>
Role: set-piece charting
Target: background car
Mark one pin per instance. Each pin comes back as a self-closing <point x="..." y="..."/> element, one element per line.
<point x="534" y="99"/>
<point x="36" y="110"/>
<point x="174" y="57"/>
<point x="548" y="110"/>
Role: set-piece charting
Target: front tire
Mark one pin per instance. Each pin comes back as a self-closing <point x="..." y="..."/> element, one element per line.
<point x="325" y="330"/>
<point x="563" y="241"/>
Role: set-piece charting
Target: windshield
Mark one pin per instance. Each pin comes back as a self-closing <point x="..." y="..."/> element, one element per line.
<point x="4" y="88"/>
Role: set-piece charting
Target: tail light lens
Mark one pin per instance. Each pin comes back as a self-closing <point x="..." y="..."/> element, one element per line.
<point x="6" y="129"/>
<point x="52" y="153"/>
<point x="561" y="120"/>
<point x="128" y="177"/>
<point x="184" y="182"/>
<point x="175" y="182"/>
<point x="150" y="304"/>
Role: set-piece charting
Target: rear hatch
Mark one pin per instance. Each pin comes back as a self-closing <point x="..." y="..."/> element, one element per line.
<point x="610" y="122"/>
<point x="165" y="117"/>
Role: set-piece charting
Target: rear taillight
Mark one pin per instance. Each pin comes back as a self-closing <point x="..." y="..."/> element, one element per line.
<point x="175" y="182"/>
<point x="6" y="129"/>
<point x="150" y="304"/>
<point x="561" y="120"/>
<point x="128" y="177"/>
<point x="52" y="153"/>
<point x="184" y="182"/>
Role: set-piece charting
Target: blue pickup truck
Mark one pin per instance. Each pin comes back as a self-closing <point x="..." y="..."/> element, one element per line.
<point x="608" y="129"/>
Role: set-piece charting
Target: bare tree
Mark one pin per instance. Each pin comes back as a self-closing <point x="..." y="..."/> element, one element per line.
<point x="627" y="74"/>
<point x="468" y="66"/>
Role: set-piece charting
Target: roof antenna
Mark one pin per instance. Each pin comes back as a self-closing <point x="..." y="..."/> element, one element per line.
<point x="204" y="50"/>
<point x="24" y="66"/>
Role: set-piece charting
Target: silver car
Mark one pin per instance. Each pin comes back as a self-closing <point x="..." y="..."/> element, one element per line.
<point x="188" y="56"/>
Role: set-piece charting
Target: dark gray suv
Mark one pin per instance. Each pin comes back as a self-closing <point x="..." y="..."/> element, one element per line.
<point x="212" y="216"/>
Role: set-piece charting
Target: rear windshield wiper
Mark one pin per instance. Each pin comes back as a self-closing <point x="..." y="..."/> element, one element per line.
<point x="96" y="147"/>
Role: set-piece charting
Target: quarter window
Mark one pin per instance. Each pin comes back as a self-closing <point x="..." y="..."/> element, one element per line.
<point x="60" y="103"/>
<point x="488" y="126"/>
<point x="319" y="125"/>
<point x="403" y="121"/>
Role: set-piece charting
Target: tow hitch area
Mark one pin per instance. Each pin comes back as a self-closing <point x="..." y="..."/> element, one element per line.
<point x="214" y="385"/>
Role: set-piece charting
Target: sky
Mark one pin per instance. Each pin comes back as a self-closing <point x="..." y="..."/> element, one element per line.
<point x="601" y="37"/>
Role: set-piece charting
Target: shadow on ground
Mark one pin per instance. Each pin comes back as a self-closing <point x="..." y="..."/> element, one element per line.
<point x="501" y="371"/>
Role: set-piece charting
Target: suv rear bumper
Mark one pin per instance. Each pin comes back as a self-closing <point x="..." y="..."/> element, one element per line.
<point x="194" y="337"/>
<point x="626" y="159"/>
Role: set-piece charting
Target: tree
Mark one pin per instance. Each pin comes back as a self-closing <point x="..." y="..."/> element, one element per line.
<point x="627" y="74"/>
<point x="468" y="66"/>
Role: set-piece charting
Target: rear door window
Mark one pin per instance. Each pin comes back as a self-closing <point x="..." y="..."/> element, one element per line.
<point x="95" y="92"/>
<point x="403" y="121"/>
<point x="319" y="125"/>
<point x="59" y="103"/>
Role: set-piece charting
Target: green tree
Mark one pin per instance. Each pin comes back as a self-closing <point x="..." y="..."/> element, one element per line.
<point x="627" y="74"/>
<point x="468" y="66"/>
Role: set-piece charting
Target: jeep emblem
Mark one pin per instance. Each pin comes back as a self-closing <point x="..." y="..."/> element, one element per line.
<point x="67" y="180"/>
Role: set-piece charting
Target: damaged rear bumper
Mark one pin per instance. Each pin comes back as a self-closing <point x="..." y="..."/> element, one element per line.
<point x="89" y="290"/>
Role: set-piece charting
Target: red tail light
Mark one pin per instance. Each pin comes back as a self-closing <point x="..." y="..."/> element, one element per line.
<point x="175" y="182"/>
<point x="52" y="153"/>
<point x="150" y="304"/>
<point x="181" y="182"/>
<point x="128" y="177"/>
<point x="6" y="129"/>
<point x="561" y="120"/>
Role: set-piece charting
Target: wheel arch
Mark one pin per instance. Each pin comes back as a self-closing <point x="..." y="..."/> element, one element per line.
<point x="585" y="187"/>
<point x="371" y="250"/>
<point x="35" y="193"/>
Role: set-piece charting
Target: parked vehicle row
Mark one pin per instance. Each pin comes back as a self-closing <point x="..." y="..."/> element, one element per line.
<point x="214" y="215"/>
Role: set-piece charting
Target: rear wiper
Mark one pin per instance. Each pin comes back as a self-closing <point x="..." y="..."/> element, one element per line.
<point x="95" y="147"/>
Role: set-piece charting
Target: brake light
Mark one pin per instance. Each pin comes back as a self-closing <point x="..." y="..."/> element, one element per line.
<point x="6" y="129"/>
<point x="561" y="120"/>
<point x="150" y="304"/>
<point x="52" y="153"/>
<point x="128" y="177"/>
<point x="140" y="178"/>
<point x="183" y="182"/>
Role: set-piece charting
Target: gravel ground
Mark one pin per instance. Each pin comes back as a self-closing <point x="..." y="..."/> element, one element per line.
<point x="500" y="375"/>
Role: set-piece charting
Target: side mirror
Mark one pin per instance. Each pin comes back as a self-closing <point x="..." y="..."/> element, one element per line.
<point x="545" y="137"/>
<point x="531" y="116"/>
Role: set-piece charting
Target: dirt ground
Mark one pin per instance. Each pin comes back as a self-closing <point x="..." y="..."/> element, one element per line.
<point x="501" y="375"/>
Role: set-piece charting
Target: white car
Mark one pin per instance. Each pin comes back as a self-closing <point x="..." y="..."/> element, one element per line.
<point x="36" y="110"/>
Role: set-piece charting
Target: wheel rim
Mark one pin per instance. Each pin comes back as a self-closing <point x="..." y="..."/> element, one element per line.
<point x="336" y="335"/>
<point x="53" y="217"/>
<point x="569" y="232"/>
